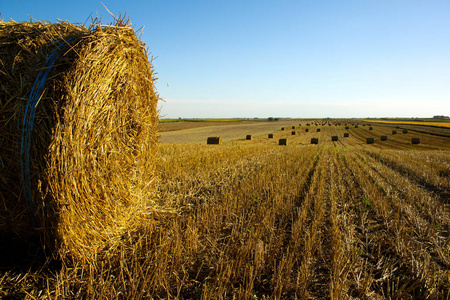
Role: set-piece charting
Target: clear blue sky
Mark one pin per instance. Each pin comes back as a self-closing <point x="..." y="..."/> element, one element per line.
<point x="317" y="58"/>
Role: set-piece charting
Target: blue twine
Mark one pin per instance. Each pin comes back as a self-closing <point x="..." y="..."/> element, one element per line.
<point x="27" y="126"/>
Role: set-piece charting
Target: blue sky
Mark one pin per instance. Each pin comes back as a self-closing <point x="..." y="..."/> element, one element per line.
<point x="311" y="59"/>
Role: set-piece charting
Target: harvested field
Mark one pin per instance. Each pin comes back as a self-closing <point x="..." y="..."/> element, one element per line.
<point x="337" y="220"/>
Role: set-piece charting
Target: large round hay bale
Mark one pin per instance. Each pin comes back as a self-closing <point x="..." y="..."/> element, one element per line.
<point x="384" y="137"/>
<point x="415" y="140"/>
<point x="370" y="140"/>
<point x="249" y="137"/>
<point x="78" y="129"/>
<point x="282" y="142"/>
<point x="334" y="138"/>
<point x="270" y="136"/>
<point x="346" y="134"/>
<point x="314" y="141"/>
<point x="214" y="140"/>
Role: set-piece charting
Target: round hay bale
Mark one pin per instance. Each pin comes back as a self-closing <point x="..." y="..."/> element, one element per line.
<point x="78" y="134"/>
<point x="356" y="126"/>
<point x="306" y="130"/>
<point x="293" y="133"/>
<point x="293" y="127"/>
<point x="384" y="137"/>
<point x="405" y="131"/>
<point x="346" y="134"/>
<point x="282" y="142"/>
<point x="394" y="131"/>
<point x="314" y="141"/>
<point x="270" y="136"/>
<point x="370" y="128"/>
<point x="370" y="140"/>
<point x="214" y="140"/>
<point x="334" y="138"/>
<point x="318" y="129"/>
<point x="415" y="140"/>
<point x="346" y="127"/>
<point x="282" y="128"/>
<point x="249" y="137"/>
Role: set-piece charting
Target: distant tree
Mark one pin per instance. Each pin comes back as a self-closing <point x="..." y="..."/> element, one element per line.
<point x="269" y="119"/>
<point x="440" y="117"/>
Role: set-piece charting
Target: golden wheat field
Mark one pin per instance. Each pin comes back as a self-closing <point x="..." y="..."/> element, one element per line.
<point x="250" y="219"/>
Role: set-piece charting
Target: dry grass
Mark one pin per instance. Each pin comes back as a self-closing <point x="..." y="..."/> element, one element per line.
<point x="338" y="220"/>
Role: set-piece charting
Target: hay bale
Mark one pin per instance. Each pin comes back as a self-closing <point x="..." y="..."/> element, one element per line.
<point x="370" y="128"/>
<point x="306" y="130"/>
<point x="318" y="129"/>
<point x="415" y="140"/>
<point x="346" y="134"/>
<point x="405" y="131"/>
<point x="293" y="127"/>
<point x="356" y="126"/>
<point x="282" y="128"/>
<point x="270" y="135"/>
<point x="334" y="138"/>
<point x="293" y="133"/>
<point x="78" y="124"/>
<point x="314" y="141"/>
<point x="394" y="131"/>
<point x="370" y="140"/>
<point x="249" y="137"/>
<point x="307" y="124"/>
<point x="214" y="140"/>
<point x="282" y="142"/>
<point x="384" y="137"/>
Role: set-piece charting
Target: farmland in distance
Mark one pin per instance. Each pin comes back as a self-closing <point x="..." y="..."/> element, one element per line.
<point x="250" y="219"/>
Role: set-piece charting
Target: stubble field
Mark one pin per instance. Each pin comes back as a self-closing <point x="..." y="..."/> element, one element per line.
<point x="250" y="219"/>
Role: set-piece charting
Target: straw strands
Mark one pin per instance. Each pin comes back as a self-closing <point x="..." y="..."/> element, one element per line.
<point x="78" y="129"/>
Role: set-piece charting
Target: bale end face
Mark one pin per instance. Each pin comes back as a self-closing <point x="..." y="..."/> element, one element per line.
<point x="415" y="140"/>
<point x="214" y="140"/>
<point x="282" y="142"/>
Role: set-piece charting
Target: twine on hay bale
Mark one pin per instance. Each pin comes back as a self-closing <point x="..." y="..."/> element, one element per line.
<point x="214" y="140"/>
<point x="78" y="129"/>
<point x="282" y="142"/>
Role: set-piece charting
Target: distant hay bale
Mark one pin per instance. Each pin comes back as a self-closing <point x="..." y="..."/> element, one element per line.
<point x="346" y="127"/>
<point x="282" y="142"/>
<point x="299" y="124"/>
<point x="270" y="135"/>
<point x="398" y="127"/>
<point x="370" y="140"/>
<point x="384" y="137"/>
<point x="346" y="134"/>
<point x="214" y="140"/>
<point x="356" y="126"/>
<point x="293" y="127"/>
<point x="314" y="141"/>
<point x="78" y="129"/>
<point x="370" y="128"/>
<point x="306" y="130"/>
<point x="282" y="128"/>
<point x="318" y="129"/>
<point x="334" y="138"/>
<point x="249" y="137"/>
<point x="293" y="133"/>
<point x="415" y="140"/>
<point x="307" y="124"/>
<point x="394" y="131"/>
<point x="405" y="131"/>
